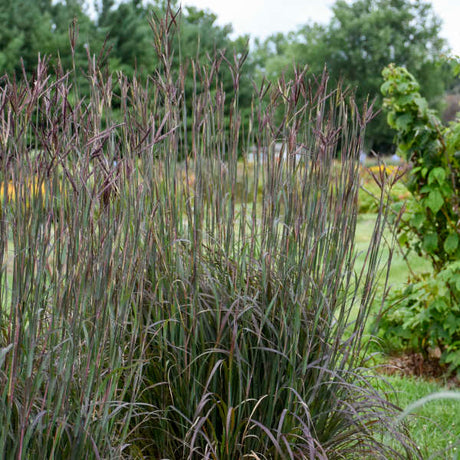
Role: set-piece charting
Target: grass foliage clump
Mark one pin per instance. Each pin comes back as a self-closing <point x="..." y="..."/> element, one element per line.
<point x="160" y="298"/>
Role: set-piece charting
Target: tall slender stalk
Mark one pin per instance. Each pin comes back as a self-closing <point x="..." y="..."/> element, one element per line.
<point x="162" y="296"/>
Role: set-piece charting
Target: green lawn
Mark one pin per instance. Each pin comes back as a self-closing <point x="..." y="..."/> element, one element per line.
<point x="399" y="271"/>
<point x="435" y="427"/>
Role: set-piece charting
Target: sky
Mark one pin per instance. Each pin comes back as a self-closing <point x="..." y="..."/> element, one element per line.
<point x="261" y="18"/>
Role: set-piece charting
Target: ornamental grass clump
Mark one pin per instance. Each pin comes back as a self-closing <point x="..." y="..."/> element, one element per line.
<point x="165" y="298"/>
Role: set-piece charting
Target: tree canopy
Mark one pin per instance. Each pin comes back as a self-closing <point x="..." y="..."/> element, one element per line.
<point x="29" y="27"/>
<point x="360" y="40"/>
<point x="362" y="37"/>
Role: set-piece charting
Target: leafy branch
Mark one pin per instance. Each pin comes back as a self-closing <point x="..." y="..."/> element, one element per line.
<point x="431" y="225"/>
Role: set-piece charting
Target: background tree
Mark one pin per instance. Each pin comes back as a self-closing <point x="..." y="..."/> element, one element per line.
<point x="201" y="39"/>
<point x="88" y="39"/>
<point x="361" y="39"/>
<point x="25" y="30"/>
<point x="29" y="27"/>
<point x="129" y="36"/>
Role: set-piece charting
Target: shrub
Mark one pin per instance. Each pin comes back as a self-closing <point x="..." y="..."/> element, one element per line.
<point x="432" y="150"/>
<point x="426" y="317"/>
<point x="426" y="313"/>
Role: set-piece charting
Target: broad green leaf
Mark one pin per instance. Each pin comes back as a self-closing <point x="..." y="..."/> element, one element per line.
<point x="422" y="104"/>
<point x="439" y="305"/>
<point x="403" y="148"/>
<point x="403" y="122"/>
<point x="452" y="323"/>
<point x="445" y="189"/>
<point x="451" y="243"/>
<point x="457" y="283"/>
<point x="437" y="174"/>
<point x="417" y="219"/>
<point x="385" y="88"/>
<point x="404" y="87"/>
<point x="426" y="189"/>
<point x="391" y="119"/>
<point x="407" y="99"/>
<point x="403" y="239"/>
<point x="434" y="201"/>
<point x="457" y="69"/>
<point x="430" y="242"/>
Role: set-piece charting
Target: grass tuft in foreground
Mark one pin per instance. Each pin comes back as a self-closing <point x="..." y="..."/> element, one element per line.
<point x="165" y="303"/>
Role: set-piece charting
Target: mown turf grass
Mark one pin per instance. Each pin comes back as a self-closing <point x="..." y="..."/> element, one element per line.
<point x="435" y="427"/>
<point x="399" y="271"/>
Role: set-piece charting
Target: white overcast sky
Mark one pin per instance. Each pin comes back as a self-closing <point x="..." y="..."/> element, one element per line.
<point x="260" y="18"/>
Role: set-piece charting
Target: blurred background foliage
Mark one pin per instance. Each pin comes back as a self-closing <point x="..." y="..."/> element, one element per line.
<point x="362" y="37"/>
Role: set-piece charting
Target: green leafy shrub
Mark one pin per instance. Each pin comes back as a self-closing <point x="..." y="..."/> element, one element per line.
<point x="426" y="316"/>
<point x="431" y="227"/>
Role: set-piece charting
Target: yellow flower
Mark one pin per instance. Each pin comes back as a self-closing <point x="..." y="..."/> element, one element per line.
<point x="32" y="187"/>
